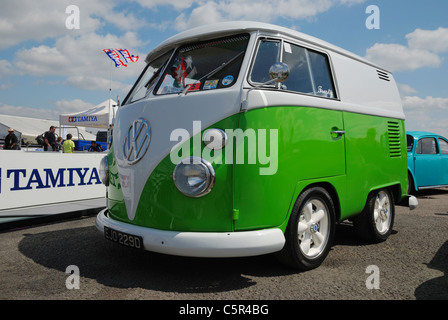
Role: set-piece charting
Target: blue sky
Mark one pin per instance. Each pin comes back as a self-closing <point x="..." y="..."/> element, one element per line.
<point x="47" y="69"/>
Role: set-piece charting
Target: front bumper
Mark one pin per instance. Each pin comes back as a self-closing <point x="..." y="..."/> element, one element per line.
<point x="200" y="244"/>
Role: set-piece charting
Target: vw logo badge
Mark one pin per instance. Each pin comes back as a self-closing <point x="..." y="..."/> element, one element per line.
<point x="137" y="141"/>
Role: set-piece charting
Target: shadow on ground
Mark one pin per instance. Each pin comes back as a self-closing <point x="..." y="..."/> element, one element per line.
<point x="116" y="266"/>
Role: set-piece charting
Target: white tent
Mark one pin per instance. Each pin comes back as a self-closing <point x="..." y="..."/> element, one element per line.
<point x="29" y="128"/>
<point x="100" y="116"/>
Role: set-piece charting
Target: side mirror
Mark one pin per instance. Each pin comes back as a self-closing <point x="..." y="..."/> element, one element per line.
<point x="278" y="73"/>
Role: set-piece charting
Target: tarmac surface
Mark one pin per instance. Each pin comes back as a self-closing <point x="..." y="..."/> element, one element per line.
<point x="40" y="262"/>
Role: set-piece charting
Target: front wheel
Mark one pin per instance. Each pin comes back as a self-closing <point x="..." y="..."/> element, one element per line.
<point x="376" y="221"/>
<point x="310" y="230"/>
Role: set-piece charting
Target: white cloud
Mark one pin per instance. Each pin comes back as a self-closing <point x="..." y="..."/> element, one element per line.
<point x="5" y="68"/>
<point x="23" y="20"/>
<point x="206" y="12"/>
<point x="80" y="59"/>
<point x="405" y="89"/>
<point x="426" y="114"/>
<point x="94" y="83"/>
<point x="428" y="103"/>
<point x="422" y="50"/>
<point x="432" y="40"/>
<point x="177" y="4"/>
<point x="59" y="107"/>
<point x="75" y="105"/>
<point x="396" y="57"/>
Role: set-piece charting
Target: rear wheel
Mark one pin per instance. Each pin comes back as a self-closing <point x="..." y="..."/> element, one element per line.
<point x="411" y="188"/>
<point x="376" y="221"/>
<point x="310" y="230"/>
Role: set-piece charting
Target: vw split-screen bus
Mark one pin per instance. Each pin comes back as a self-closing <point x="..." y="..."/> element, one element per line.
<point x="242" y="139"/>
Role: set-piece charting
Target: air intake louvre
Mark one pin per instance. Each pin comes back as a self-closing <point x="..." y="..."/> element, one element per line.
<point x="383" y="75"/>
<point x="393" y="133"/>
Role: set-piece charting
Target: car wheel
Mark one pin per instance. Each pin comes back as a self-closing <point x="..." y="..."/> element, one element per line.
<point x="310" y="230"/>
<point x="411" y="188"/>
<point x="376" y="221"/>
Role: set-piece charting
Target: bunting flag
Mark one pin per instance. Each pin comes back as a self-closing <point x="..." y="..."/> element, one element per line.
<point x="179" y="73"/>
<point x="114" y="55"/>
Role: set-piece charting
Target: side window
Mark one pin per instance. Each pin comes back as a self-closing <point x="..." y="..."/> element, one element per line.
<point x="427" y="146"/>
<point x="443" y="146"/>
<point x="267" y="55"/>
<point x="320" y="68"/>
<point x="310" y="71"/>
<point x="299" y="78"/>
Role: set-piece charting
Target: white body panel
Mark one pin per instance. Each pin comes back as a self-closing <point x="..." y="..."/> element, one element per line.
<point x="182" y="110"/>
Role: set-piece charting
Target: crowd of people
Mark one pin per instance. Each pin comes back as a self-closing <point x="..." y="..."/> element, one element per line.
<point x="50" y="142"/>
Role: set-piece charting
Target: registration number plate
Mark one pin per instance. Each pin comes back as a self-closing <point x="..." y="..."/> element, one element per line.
<point x="123" y="238"/>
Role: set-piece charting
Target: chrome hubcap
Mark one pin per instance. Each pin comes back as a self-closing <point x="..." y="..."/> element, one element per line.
<point x="381" y="212"/>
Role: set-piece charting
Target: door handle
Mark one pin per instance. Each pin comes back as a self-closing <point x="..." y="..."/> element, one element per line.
<point x="338" y="132"/>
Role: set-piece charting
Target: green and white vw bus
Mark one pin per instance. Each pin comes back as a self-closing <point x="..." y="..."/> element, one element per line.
<point x="242" y="139"/>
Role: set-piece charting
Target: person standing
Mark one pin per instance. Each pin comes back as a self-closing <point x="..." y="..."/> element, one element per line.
<point x="11" y="141"/>
<point x="68" y="146"/>
<point x="50" y="139"/>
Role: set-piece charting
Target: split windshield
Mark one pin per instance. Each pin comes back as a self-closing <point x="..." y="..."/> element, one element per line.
<point x="199" y="66"/>
<point x="204" y="66"/>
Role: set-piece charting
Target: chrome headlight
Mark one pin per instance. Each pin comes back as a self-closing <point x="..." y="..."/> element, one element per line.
<point x="194" y="177"/>
<point x="104" y="171"/>
<point x="215" y="139"/>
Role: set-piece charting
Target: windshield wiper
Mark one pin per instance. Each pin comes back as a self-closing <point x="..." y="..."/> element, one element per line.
<point x="208" y="75"/>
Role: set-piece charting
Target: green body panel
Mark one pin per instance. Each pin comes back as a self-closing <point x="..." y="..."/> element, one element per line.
<point x="370" y="165"/>
<point x="349" y="165"/>
<point x="306" y="150"/>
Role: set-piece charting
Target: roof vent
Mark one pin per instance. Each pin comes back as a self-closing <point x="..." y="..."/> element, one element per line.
<point x="383" y="75"/>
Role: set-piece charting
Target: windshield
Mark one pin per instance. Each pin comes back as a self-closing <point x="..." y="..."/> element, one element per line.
<point x="207" y="65"/>
<point x="410" y="142"/>
<point x="148" y="78"/>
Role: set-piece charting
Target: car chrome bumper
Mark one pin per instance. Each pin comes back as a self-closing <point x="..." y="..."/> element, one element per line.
<point x="409" y="201"/>
<point x="200" y="244"/>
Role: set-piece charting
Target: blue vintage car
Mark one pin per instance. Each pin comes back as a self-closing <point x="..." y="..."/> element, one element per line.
<point x="427" y="160"/>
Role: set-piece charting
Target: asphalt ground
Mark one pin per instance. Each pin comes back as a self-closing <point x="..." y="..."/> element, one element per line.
<point x="42" y="261"/>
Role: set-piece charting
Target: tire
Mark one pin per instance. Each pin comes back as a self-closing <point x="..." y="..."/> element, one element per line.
<point x="376" y="221"/>
<point x="310" y="231"/>
<point x="411" y="189"/>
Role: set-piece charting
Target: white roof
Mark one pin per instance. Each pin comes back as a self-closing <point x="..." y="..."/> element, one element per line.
<point x="208" y="31"/>
<point x="100" y="116"/>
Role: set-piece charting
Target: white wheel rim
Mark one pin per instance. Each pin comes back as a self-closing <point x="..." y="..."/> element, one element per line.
<point x="313" y="228"/>
<point x="382" y="213"/>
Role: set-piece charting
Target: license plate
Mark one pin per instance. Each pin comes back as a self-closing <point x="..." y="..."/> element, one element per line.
<point x="125" y="239"/>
